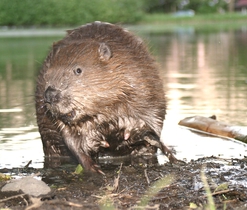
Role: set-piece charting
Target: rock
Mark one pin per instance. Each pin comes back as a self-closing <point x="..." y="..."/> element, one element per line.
<point x="28" y="185"/>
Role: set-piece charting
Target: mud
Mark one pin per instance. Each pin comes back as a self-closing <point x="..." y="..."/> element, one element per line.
<point x="128" y="186"/>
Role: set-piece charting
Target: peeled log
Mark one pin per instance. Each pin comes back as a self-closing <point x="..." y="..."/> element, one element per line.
<point x="213" y="126"/>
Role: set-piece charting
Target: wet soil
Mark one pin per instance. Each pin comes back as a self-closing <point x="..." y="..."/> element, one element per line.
<point x="138" y="186"/>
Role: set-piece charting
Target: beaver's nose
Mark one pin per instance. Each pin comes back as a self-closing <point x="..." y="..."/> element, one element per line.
<point x="52" y="95"/>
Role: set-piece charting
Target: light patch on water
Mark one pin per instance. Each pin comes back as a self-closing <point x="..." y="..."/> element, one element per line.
<point x="19" y="146"/>
<point x="191" y="146"/>
<point x="16" y="130"/>
<point x="10" y="110"/>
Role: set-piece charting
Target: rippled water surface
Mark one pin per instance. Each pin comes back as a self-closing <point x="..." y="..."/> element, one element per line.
<point x="204" y="73"/>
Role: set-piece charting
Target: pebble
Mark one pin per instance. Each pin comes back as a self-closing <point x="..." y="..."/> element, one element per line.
<point x="28" y="185"/>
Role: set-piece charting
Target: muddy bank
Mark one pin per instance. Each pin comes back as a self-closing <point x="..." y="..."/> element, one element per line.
<point x="135" y="185"/>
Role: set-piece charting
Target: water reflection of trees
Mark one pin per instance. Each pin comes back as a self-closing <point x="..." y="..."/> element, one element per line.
<point x="20" y="60"/>
<point x="203" y="73"/>
<point x="16" y="104"/>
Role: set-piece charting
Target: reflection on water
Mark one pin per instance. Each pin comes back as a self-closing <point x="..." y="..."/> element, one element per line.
<point x="204" y="73"/>
<point x="193" y="145"/>
<point x="20" y="59"/>
<point x="19" y="145"/>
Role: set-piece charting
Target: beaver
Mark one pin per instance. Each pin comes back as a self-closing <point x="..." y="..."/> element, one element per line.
<point x="99" y="92"/>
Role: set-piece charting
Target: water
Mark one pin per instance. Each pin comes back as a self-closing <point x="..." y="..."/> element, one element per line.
<point x="21" y="57"/>
<point x="204" y="73"/>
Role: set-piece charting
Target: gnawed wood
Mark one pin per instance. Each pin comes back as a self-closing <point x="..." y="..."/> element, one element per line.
<point x="211" y="125"/>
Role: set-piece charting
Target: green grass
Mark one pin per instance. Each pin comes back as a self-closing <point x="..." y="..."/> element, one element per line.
<point x="197" y="19"/>
<point x="160" y="23"/>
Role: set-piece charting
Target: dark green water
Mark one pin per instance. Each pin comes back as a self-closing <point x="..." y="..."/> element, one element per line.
<point x="204" y="73"/>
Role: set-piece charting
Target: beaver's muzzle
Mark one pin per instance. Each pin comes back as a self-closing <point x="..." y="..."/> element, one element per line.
<point x="52" y="95"/>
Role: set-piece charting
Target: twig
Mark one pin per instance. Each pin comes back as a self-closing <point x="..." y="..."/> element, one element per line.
<point x="97" y="196"/>
<point x="116" y="180"/>
<point x="156" y="206"/>
<point x="25" y="200"/>
<point x="27" y="165"/>
<point x="219" y="192"/>
<point x="68" y="203"/>
<point x="36" y="203"/>
<point x="12" y="197"/>
<point x="121" y="191"/>
<point x="146" y="175"/>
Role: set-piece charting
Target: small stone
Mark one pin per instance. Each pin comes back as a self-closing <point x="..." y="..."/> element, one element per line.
<point x="28" y="185"/>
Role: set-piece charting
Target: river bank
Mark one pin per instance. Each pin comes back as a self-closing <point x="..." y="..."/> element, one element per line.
<point x="202" y="22"/>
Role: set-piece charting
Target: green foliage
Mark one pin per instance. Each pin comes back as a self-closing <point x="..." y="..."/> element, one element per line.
<point x="79" y="169"/>
<point x="72" y="12"/>
<point x="206" y="6"/>
<point x="156" y="187"/>
<point x="211" y="204"/>
<point x="154" y="6"/>
<point x="4" y="177"/>
<point x="199" y="6"/>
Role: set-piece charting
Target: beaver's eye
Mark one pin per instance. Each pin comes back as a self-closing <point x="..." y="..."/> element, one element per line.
<point x="77" y="71"/>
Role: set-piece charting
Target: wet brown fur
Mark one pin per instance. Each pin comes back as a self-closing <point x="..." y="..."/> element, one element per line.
<point x="98" y="92"/>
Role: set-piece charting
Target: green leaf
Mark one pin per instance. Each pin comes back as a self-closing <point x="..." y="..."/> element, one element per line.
<point x="193" y="206"/>
<point x="79" y="169"/>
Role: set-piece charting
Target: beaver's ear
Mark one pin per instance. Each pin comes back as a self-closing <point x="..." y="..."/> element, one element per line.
<point x="56" y="47"/>
<point x="104" y="52"/>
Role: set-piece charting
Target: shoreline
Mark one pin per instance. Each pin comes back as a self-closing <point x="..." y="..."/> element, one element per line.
<point x="151" y="23"/>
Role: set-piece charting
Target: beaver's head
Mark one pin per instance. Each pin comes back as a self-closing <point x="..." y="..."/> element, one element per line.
<point x="82" y="80"/>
